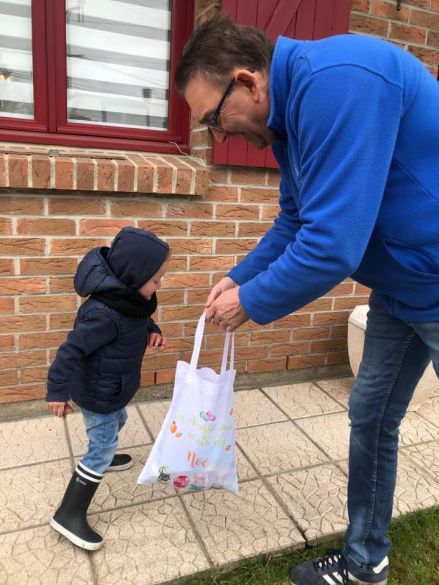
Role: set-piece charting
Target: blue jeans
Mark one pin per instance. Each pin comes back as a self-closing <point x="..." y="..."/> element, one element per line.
<point x="395" y="356"/>
<point x="102" y="432"/>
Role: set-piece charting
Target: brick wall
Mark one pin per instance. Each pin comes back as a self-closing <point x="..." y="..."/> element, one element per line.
<point x="53" y="209"/>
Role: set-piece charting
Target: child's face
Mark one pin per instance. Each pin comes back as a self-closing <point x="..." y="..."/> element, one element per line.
<point x="154" y="283"/>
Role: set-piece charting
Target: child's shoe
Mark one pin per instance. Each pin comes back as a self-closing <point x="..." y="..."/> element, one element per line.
<point x="120" y="462"/>
<point x="333" y="568"/>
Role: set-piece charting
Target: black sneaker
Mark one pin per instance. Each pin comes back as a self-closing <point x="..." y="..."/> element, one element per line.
<point x="120" y="462"/>
<point x="334" y="569"/>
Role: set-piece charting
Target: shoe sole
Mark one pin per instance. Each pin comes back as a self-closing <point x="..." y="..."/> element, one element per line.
<point x="121" y="467"/>
<point x="75" y="539"/>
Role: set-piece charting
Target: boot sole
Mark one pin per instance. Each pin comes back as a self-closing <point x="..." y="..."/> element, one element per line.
<point x="121" y="467"/>
<point x="357" y="582"/>
<point x="75" y="539"/>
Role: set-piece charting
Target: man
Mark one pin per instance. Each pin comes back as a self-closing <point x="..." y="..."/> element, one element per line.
<point x="354" y="124"/>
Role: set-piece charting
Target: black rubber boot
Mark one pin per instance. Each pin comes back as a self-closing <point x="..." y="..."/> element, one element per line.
<point x="70" y="519"/>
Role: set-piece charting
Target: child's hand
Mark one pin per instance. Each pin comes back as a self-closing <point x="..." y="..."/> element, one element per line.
<point x="157" y="340"/>
<point x="60" y="408"/>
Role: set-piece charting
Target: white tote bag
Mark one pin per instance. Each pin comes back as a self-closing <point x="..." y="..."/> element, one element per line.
<point x="195" y="448"/>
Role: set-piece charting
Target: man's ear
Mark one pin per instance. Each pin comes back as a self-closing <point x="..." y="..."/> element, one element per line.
<point x="250" y="80"/>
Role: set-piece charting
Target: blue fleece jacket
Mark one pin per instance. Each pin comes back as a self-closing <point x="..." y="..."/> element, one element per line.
<point x="357" y="126"/>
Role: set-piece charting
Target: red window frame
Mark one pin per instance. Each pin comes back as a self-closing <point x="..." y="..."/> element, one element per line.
<point x="50" y="125"/>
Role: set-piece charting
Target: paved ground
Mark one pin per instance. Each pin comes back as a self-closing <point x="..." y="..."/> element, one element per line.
<point x="292" y="450"/>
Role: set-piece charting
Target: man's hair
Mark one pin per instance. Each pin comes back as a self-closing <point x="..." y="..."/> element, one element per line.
<point x="218" y="46"/>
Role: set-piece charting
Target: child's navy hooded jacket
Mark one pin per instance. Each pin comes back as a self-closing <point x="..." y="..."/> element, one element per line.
<point x="98" y="367"/>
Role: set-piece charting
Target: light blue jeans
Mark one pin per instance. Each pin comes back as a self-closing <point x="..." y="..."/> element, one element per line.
<point x="102" y="432"/>
<point x="395" y="356"/>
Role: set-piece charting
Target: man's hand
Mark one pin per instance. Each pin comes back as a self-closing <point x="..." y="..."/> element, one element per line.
<point x="157" y="340"/>
<point x="224" y="284"/>
<point x="60" y="408"/>
<point x="226" y="310"/>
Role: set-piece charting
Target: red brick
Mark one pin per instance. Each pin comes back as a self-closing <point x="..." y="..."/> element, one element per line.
<point x="328" y="345"/>
<point x="311" y="333"/>
<point x="339" y="331"/>
<point x="199" y="137"/>
<point x="2" y="171"/>
<point x="125" y="176"/>
<point x="212" y="228"/>
<point x="270" y="212"/>
<point x="184" y="178"/>
<point x="49" y="303"/>
<point x="419" y="3"/>
<point x="330" y="317"/>
<point x="78" y="206"/>
<point x="237" y="212"/>
<point x="47" y="266"/>
<point x="106" y="175"/>
<point x="41" y="340"/>
<point x="259" y="195"/>
<point x="321" y="304"/>
<point x="8" y="377"/>
<point x="210" y="262"/>
<point x="44" y="226"/>
<point x="220" y="175"/>
<point x="22" y="359"/>
<point x="7" y="343"/>
<point x="165" y="376"/>
<point x="180" y="313"/>
<point x="170" y="297"/>
<point x="216" y="193"/>
<point x="235" y="246"/>
<point x="147" y="379"/>
<point x="63" y="173"/>
<point x="389" y="11"/>
<point x="22" y="246"/>
<point x="61" y="321"/>
<point x="18" y="286"/>
<point x="7" y="267"/>
<point x="433" y="38"/>
<point x="85" y="172"/>
<point x="145" y="178"/>
<point x="337" y="358"/>
<point x="361" y="5"/>
<point x="183" y="279"/>
<point x="6" y="305"/>
<point x="32" y="375"/>
<point x="257" y="229"/>
<point x="407" y="33"/>
<point x="61" y="284"/>
<point x="306" y="361"/>
<point x="19" y="323"/>
<point x="247" y="176"/>
<point x="266" y="365"/>
<point x="189" y="245"/>
<point x="102" y="227"/>
<point x="369" y="25"/>
<point x="74" y="247"/>
<point x="424" y="19"/>
<point x="138" y="208"/>
<point x="348" y="302"/>
<point x="22" y="392"/>
<point x="426" y="55"/>
<point x="165" y="177"/>
<point x="296" y="348"/>
<point x="5" y="226"/>
<point x="18" y="171"/>
<point x="190" y="210"/>
<point x="435" y="5"/>
<point x="270" y="336"/>
<point x="40" y="172"/>
<point x="165" y="228"/>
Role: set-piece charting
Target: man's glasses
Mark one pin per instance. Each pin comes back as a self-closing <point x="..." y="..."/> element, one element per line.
<point x="213" y="121"/>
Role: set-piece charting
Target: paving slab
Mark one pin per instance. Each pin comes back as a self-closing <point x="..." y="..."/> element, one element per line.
<point x="330" y="432"/>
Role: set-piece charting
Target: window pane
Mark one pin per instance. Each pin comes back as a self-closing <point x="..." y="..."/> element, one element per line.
<point x="16" y="86"/>
<point x="118" y="62"/>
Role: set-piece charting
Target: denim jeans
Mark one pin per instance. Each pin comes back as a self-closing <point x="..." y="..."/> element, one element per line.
<point x="102" y="432"/>
<point x="395" y="356"/>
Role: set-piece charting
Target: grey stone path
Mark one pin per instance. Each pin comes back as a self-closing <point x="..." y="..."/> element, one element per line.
<point x="292" y="451"/>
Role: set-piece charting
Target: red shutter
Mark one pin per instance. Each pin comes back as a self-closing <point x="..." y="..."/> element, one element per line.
<point x="299" y="19"/>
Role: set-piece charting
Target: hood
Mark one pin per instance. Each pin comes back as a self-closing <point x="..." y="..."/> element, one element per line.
<point x="94" y="274"/>
<point x="136" y="255"/>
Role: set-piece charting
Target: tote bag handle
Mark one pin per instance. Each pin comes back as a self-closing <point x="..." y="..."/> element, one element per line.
<point x="197" y="347"/>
